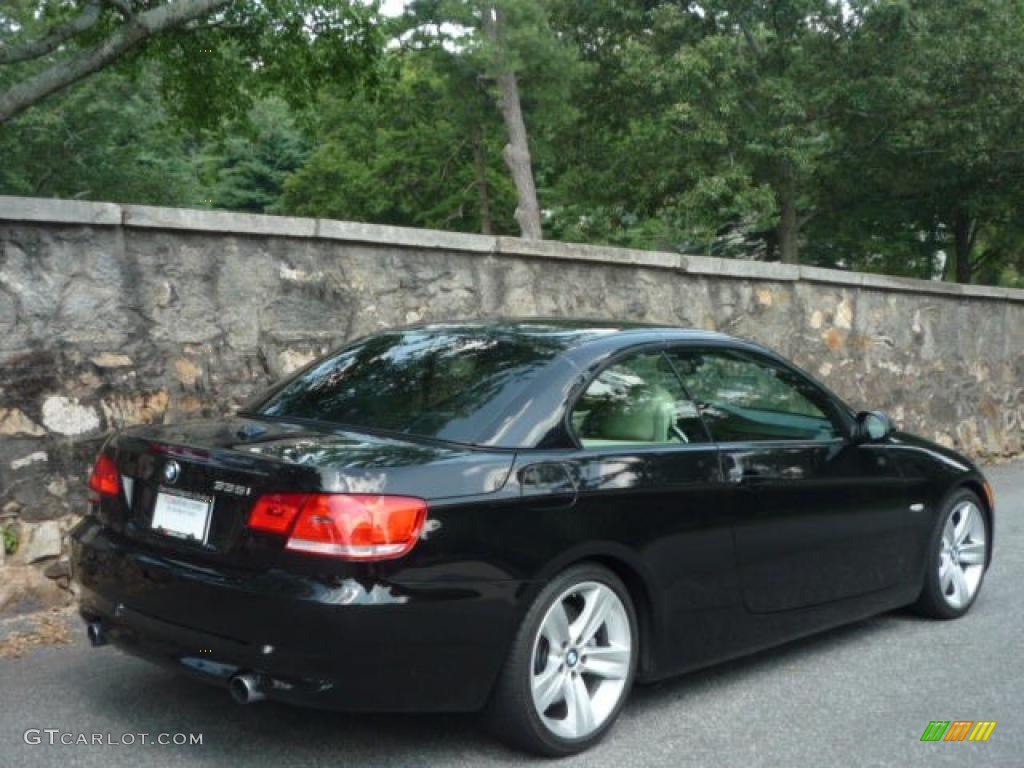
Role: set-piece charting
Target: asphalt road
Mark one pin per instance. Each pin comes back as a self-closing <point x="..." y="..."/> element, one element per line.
<point x="861" y="695"/>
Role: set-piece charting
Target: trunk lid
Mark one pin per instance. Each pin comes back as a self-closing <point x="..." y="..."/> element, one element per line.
<point x="169" y="472"/>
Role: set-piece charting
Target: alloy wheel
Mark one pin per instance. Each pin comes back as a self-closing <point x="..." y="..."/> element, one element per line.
<point x="962" y="550"/>
<point x="581" y="660"/>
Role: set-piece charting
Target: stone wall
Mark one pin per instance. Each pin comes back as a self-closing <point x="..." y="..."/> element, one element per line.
<point x="115" y="315"/>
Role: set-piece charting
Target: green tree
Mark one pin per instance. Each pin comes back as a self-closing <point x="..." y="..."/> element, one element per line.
<point x="245" y="166"/>
<point x="421" y="149"/>
<point x="111" y="139"/>
<point x="933" y="146"/>
<point x="722" y="118"/>
<point x="56" y="44"/>
<point x="212" y="47"/>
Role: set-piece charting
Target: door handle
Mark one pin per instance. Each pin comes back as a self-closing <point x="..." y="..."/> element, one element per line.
<point x="733" y="469"/>
<point x="739" y="471"/>
<point x="549" y="482"/>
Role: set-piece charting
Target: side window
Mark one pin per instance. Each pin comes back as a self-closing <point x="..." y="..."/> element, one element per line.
<point x="745" y="398"/>
<point x="637" y="401"/>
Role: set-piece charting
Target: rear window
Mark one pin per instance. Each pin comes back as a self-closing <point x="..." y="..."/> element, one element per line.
<point x="446" y="384"/>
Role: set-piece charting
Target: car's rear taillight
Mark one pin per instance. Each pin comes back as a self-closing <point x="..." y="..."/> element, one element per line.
<point x="276" y="512"/>
<point x="348" y="526"/>
<point x="103" y="479"/>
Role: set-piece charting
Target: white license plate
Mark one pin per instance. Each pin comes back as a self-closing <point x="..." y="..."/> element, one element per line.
<point x="181" y="516"/>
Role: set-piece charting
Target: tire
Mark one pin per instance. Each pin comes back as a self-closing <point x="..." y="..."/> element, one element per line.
<point x="537" y="669"/>
<point x="950" y="596"/>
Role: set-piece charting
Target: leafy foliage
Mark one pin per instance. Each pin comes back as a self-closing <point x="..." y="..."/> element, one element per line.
<point x="10" y="540"/>
<point x="288" y="48"/>
<point x="246" y="165"/>
<point x="933" y="147"/>
<point x="216" y="54"/>
<point x="109" y="139"/>
<point x="405" y="153"/>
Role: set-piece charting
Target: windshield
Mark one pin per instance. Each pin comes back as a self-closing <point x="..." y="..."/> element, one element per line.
<point x="441" y="383"/>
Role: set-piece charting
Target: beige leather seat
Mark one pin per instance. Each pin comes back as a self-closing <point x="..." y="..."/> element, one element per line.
<point x="645" y="418"/>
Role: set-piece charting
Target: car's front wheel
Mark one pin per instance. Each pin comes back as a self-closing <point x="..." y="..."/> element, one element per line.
<point x="959" y="557"/>
<point x="571" y="665"/>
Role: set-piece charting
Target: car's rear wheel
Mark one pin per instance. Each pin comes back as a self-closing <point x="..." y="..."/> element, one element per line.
<point x="958" y="558"/>
<point x="571" y="665"/>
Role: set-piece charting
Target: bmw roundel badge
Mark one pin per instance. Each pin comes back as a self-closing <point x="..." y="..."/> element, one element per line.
<point x="171" y="471"/>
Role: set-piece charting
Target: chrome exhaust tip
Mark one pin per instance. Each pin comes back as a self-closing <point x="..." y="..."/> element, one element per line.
<point x="246" y="688"/>
<point x="97" y="636"/>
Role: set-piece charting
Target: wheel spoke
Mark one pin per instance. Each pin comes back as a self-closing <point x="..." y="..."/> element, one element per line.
<point x="556" y="626"/>
<point x="547" y="686"/>
<point x="611" y="662"/>
<point x="595" y="611"/>
<point x="948" y="533"/>
<point x="945" y="574"/>
<point x="963" y="527"/>
<point x="972" y="553"/>
<point x="960" y="592"/>
<point x="581" y="711"/>
<point x="945" y="570"/>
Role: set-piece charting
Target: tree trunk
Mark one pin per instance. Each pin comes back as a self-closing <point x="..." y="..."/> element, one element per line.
<point x="62" y="74"/>
<point x="517" y="151"/>
<point x="787" y="231"/>
<point x="483" y="193"/>
<point x="963" y="243"/>
<point x="517" y="158"/>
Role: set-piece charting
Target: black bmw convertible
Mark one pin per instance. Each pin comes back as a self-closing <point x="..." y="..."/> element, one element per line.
<point x="521" y="516"/>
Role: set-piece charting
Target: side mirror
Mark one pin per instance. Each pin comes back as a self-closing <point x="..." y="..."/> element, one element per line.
<point x="873" y="426"/>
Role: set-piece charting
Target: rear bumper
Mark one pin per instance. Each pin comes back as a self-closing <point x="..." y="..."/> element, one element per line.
<point x="349" y="644"/>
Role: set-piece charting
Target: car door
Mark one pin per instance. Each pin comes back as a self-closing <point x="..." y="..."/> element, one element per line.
<point x="649" y="477"/>
<point x="820" y="518"/>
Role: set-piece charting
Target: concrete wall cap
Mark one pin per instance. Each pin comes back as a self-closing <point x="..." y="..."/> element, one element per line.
<point x="433" y="239"/>
<point x="150" y="217"/>
<point x="53" y="211"/>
